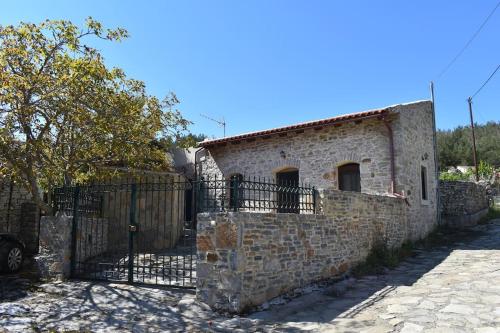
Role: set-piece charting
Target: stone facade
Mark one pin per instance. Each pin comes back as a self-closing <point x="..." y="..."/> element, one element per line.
<point x="245" y="259"/>
<point x="318" y="152"/>
<point x="19" y="215"/>
<point x="414" y="148"/>
<point x="462" y="203"/>
<point x="315" y="153"/>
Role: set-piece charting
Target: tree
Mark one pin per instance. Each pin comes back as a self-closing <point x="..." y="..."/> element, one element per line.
<point x="189" y="140"/>
<point x="64" y="114"/>
<point x="455" y="146"/>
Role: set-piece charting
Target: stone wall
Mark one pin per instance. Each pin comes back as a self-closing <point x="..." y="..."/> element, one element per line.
<point x="414" y="148"/>
<point x="54" y="258"/>
<point x="462" y="203"/>
<point x="247" y="258"/>
<point x="30" y="226"/>
<point x="18" y="214"/>
<point x="368" y="218"/>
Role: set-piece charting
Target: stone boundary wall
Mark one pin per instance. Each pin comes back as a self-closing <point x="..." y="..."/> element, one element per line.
<point x="19" y="215"/>
<point x="374" y="218"/>
<point x="247" y="258"/>
<point x="462" y="203"/>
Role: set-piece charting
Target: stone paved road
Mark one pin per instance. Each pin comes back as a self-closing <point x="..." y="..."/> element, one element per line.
<point x="448" y="289"/>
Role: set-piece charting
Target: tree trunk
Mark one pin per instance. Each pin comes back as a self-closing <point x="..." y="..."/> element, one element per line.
<point x="35" y="191"/>
<point x="35" y="194"/>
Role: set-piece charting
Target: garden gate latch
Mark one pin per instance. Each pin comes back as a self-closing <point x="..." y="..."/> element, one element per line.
<point x="132" y="228"/>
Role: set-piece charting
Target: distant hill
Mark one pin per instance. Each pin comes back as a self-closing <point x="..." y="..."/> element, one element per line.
<point x="455" y="146"/>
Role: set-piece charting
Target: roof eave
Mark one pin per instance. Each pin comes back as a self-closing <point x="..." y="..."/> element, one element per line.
<point x="294" y="128"/>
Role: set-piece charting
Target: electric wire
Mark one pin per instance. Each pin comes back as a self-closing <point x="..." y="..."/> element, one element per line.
<point x="469" y="41"/>
<point x="486" y="82"/>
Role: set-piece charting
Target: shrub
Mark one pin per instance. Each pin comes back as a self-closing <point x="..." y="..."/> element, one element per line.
<point x="381" y="257"/>
<point x="451" y="176"/>
<point x="485" y="170"/>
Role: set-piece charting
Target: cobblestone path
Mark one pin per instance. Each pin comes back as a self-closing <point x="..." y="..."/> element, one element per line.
<point x="447" y="289"/>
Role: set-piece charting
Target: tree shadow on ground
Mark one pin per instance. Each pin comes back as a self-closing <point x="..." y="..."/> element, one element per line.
<point x="18" y="285"/>
<point x="106" y="306"/>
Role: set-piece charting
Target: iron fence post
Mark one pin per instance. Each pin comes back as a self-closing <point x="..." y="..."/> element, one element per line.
<point x="236" y="189"/>
<point x="132" y="228"/>
<point x="74" y="229"/>
<point x="314" y="199"/>
<point x="194" y="204"/>
<point x="197" y="198"/>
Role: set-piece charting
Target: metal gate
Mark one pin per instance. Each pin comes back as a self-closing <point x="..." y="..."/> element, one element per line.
<point x="136" y="232"/>
<point x="145" y="231"/>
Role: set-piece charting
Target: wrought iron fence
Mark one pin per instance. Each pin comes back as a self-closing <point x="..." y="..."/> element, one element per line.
<point x="215" y="193"/>
<point x="89" y="200"/>
<point x="211" y="194"/>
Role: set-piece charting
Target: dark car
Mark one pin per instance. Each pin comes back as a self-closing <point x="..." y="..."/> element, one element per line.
<point x="11" y="253"/>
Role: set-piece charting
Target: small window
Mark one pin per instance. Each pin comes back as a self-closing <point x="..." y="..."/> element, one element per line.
<point x="423" y="178"/>
<point x="235" y="191"/>
<point x="349" y="177"/>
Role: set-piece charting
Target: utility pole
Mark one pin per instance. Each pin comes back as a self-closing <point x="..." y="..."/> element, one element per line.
<point x="436" y="162"/>
<point x="469" y="100"/>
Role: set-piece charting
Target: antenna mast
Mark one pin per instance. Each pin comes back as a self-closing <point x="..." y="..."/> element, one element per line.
<point x="221" y="123"/>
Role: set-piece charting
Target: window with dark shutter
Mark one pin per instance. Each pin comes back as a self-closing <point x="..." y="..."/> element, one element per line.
<point x="288" y="191"/>
<point x="349" y="177"/>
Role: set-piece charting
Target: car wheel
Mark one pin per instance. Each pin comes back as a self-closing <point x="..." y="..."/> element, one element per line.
<point x="12" y="256"/>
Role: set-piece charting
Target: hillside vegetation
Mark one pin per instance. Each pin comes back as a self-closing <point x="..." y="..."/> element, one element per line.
<point x="455" y="146"/>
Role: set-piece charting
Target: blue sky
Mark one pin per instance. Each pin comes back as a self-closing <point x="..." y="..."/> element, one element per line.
<point x="269" y="63"/>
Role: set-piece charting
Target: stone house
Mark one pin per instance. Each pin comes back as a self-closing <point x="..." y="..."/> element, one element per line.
<point x="388" y="151"/>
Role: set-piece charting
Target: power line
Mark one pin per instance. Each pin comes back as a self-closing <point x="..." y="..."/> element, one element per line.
<point x="469" y="41"/>
<point x="485" y="82"/>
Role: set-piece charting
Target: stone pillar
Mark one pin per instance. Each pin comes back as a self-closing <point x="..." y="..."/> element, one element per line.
<point x="30" y="219"/>
<point x="54" y="259"/>
<point x="219" y="270"/>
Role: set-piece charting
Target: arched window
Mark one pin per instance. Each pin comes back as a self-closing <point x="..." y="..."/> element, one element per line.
<point x="235" y="190"/>
<point x="349" y="177"/>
